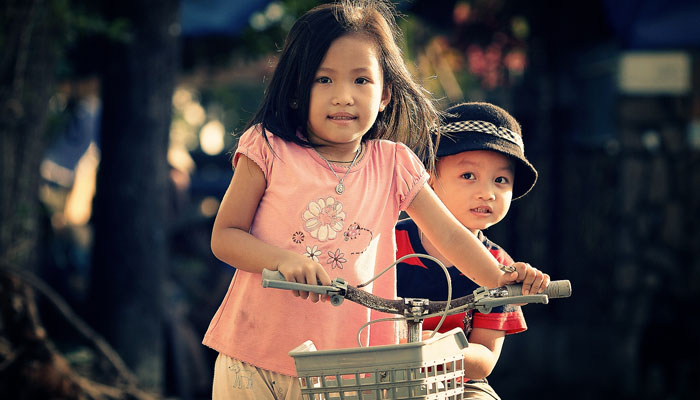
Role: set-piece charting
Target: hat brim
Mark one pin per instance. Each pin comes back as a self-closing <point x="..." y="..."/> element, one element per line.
<point x="525" y="172"/>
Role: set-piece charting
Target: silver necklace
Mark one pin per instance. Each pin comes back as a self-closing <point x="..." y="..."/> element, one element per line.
<point x="340" y="187"/>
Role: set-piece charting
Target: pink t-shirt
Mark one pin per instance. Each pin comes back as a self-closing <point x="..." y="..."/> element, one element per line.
<point x="351" y="235"/>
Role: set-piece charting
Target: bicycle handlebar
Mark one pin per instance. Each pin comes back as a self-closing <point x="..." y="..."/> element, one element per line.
<point x="482" y="299"/>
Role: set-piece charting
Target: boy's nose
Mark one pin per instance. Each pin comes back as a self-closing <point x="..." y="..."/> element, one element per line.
<point x="486" y="192"/>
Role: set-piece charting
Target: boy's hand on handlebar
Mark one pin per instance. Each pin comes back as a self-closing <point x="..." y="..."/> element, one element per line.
<point x="302" y="269"/>
<point x="534" y="281"/>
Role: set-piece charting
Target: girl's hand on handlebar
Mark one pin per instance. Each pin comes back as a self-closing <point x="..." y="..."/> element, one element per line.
<point x="301" y="269"/>
<point x="534" y="281"/>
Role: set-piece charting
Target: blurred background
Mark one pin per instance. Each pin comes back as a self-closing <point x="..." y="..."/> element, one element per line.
<point x="117" y="123"/>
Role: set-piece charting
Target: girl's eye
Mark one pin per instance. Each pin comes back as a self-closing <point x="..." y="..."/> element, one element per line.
<point x="362" y="81"/>
<point x="468" y="176"/>
<point x="502" y="179"/>
<point x="323" y="79"/>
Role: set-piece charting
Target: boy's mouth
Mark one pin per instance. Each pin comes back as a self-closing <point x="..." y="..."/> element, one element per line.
<point x="482" y="210"/>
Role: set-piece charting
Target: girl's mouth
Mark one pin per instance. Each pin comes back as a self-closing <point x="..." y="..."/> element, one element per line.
<point x="482" y="210"/>
<point x="342" y="117"/>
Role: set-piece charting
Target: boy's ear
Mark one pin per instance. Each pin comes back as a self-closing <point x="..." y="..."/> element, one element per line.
<point x="386" y="97"/>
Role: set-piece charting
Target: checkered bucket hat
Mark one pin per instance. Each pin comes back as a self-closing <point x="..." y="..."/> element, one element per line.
<point x="484" y="126"/>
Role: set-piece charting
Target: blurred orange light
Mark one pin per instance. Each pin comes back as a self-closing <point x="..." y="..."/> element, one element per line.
<point x="209" y="206"/>
<point x="211" y="138"/>
<point x="461" y="12"/>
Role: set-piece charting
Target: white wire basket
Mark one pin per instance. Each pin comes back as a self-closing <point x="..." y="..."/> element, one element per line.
<point x="431" y="369"/>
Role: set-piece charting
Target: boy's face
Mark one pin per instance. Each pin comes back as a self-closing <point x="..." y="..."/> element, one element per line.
<point x="477" y="187"/>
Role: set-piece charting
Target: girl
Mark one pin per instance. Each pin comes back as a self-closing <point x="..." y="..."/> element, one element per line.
<point x="319" y="182"/>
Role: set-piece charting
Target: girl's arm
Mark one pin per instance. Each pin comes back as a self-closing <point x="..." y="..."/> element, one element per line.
<point x="232" y="243"/>
<point x="453" y="240"/>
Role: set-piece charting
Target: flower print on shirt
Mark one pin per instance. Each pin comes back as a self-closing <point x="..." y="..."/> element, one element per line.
<point x="312" y="252"/>
<point x="323" y="219"/>
<point x="336" y="260"/>
<point x="354" y="231"/>
<point x="298" y="237"/>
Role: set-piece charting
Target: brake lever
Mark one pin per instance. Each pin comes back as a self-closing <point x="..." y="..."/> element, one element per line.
<point x="484" y="303"/>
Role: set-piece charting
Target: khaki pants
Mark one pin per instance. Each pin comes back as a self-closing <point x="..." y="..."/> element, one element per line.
<point x="236" y="380"/>
<point x="479" y="389"/>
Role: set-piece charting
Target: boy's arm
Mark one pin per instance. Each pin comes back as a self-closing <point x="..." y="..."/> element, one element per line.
<point x="232" y="243"/>
<point x="482" y="353"/>
<point x="452" y="239"/>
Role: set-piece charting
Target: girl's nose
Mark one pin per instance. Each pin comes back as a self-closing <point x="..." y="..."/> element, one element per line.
<point x="342" y="96"/>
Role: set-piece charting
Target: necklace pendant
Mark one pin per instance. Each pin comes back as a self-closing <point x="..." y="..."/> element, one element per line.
<point x="340" y="187"/>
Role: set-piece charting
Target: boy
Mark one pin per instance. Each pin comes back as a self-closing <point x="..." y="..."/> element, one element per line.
<point x="480" y="168"/>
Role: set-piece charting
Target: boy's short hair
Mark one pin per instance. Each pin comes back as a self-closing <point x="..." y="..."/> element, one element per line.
<point x="484" y="126"/>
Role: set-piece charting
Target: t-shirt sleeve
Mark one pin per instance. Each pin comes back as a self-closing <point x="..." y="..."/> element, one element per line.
<point x="253" y="145"/>
<point x="411" y="175"/>
<point x="510" y="319"/>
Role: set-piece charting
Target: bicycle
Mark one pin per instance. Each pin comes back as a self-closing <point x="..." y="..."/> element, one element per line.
<point x="419" y="369"/>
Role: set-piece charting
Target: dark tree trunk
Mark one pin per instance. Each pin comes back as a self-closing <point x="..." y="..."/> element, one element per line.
<point x="27" y="60"/>
<point x="131" y="203"/>
<point x="29" y="366"/>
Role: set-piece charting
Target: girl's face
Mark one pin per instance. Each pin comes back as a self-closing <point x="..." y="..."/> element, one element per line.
<point x="476" y="186"/>
<point x="347" y="94"/>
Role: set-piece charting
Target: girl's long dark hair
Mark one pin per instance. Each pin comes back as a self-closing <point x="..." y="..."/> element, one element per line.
<point x="410" y="117"/>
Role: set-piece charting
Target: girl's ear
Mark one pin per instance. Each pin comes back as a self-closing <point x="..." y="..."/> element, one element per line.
<point x="386" y="97"/>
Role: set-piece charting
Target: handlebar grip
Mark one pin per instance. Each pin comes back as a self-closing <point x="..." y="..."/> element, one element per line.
<point x="275" y="280"/>
<point x="272" y="275"/>
<point x="555" y="289"/>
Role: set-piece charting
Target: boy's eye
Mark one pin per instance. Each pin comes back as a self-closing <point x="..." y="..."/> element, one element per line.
<point x="323" y="79"/>
<point x="468" y="176"/>
<point x="361" y="81"/>
<point x="502" y="179"/>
